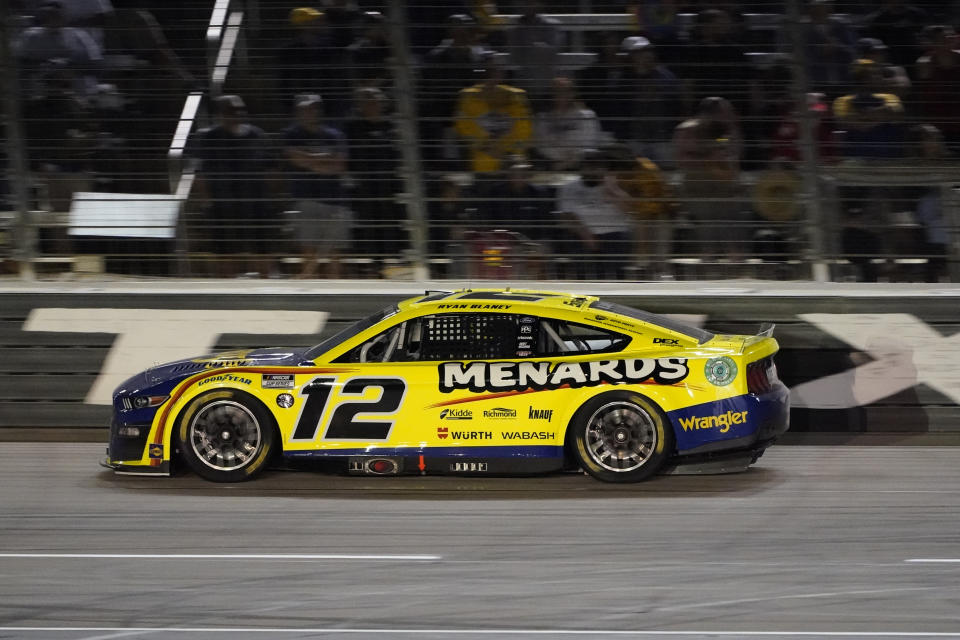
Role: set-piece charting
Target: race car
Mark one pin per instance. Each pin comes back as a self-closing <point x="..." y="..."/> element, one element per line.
<point x="469" y="382"/>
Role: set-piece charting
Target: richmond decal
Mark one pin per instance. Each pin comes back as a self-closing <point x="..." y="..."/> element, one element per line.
<point x="517" y="376"/>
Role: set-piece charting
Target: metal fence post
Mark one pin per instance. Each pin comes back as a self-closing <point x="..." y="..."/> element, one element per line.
<point x="951" y="215"/>
<point x="24" y="243"/>
<point x="409" y="138"/>
<point x="811" y="196"/>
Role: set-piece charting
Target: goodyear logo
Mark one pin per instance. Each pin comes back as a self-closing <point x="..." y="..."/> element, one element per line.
<point x="224" y="377"/>
<point x="723" y="422"/>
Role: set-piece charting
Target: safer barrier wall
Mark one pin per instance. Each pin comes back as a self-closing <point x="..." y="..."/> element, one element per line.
<point x="858" y="359"/>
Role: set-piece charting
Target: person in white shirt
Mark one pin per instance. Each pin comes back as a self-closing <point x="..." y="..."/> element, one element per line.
<point x="597" y="210"/>
<point x="567" y="130"/>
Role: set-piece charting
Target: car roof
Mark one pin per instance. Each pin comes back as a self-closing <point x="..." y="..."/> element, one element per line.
<point x="554" y="299"/>
<point x="550" y="299"/>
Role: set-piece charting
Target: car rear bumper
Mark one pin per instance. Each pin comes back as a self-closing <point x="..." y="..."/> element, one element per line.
<point x="764" y="417"/>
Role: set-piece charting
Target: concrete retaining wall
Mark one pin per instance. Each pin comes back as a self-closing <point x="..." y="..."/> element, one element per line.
<point x="879" y="359"/>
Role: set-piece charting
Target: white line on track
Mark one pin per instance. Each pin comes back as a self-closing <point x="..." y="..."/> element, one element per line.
<point x="111" y="636"/>
<point x="934" y="560"/>
<point x="501" y="632"/>
<point x="220" y="556"/>
<point x="797" y="596"/>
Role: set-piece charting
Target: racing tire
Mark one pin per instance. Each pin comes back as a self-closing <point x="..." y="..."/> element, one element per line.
<point x="620" y="436"/>
<point x="226" y="435"/>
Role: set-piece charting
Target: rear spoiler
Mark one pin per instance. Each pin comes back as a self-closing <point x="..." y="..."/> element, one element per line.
<point x="766" y="331"/>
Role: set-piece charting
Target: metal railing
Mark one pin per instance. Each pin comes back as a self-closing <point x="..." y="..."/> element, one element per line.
<point x="487" y="237"/>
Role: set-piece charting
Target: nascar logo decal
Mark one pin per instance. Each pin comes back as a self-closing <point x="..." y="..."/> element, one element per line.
<point x="518" y="376"/>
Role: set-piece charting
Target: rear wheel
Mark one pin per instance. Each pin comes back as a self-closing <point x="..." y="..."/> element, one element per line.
<point x="226" y="436"/>
<point x="621" y="437"/>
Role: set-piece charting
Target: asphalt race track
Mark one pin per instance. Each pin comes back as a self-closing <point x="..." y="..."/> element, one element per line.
<point x="814" y="542"/>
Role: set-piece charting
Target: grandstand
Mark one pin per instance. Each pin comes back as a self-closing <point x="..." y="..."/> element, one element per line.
<point x="575" y="140"/>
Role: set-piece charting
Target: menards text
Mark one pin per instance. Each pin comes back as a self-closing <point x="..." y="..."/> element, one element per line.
<point x="503" y="376"/>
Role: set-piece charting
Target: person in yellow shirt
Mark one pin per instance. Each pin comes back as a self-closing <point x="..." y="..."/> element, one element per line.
<point x="648" y="201"/>
<point x="493" y="119"/>
<point x="872" y="119"/>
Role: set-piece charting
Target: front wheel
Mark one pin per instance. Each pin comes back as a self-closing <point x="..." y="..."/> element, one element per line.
<point x="621" y="437"/>
<point x="226" y="436"/>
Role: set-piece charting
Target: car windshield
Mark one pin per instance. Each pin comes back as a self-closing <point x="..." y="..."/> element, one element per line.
<point x="699" y="335"/>
<point x="350" y="331"/>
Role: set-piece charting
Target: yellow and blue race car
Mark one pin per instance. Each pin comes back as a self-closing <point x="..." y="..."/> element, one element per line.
<point x="492" y="381"/>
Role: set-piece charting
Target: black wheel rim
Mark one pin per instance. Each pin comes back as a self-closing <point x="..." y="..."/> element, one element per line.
<point x="620" y="437"/>
<point x="225" y="435"/>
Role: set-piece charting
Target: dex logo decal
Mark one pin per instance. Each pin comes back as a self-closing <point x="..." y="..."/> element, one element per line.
<point x="905" y="351"/>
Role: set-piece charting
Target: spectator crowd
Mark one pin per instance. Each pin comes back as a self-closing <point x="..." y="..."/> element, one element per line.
<point x="679" y="134"/>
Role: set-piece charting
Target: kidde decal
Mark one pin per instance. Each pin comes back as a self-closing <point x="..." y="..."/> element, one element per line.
<point x="724" y="421"/>
<point x="456" y="414"/>
<point x="509" y="376"/>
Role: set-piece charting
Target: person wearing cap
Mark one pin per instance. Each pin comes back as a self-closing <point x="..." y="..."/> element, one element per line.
<point x="316" y="165"/>
<point x="650" y="101"/>
<point x="494" y="119"/>
<point x="871" y="117"/>
<point x="309" y="61"/>
<point x="232" y="176"/>
<point x="895" y="78"/>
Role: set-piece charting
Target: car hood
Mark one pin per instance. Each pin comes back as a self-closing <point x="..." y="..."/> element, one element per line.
<point x="273" y="357"/>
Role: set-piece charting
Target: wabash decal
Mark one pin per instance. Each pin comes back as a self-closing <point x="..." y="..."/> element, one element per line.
<point x="517" y="376"/>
